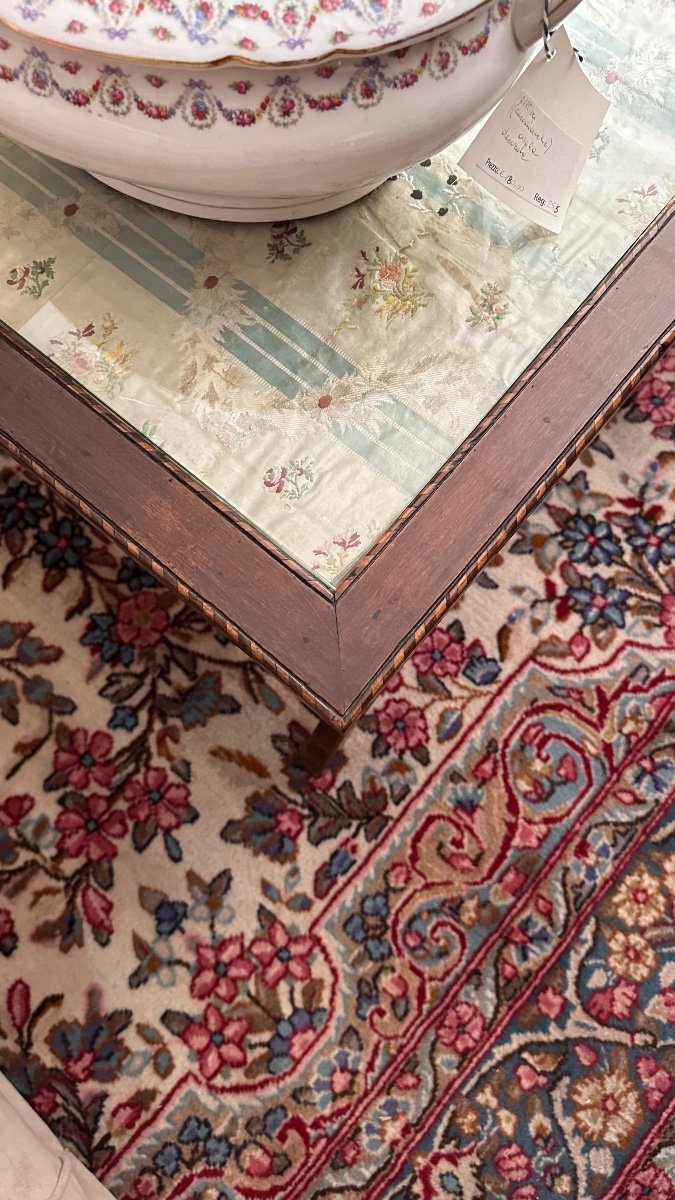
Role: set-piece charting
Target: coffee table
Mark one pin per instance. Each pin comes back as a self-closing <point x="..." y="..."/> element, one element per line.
<point x="319" y="433"/>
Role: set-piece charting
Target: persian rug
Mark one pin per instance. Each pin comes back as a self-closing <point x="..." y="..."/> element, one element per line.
<point x="442" y="968"/>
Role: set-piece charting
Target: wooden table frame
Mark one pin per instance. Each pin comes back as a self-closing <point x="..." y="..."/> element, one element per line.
<point x="338" y="648"/>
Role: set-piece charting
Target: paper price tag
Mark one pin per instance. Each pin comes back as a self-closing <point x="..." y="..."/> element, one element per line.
<point x="531" y="150"/>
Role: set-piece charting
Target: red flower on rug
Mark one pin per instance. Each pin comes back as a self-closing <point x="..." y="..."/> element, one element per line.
<point x="656" y="399"/>
<point x="14" y="809"/>
<point x="440" y="654"/>
<point x="402" y="725"/>
<point x="156" y="798"/>
<point x="141" y="620"/>
<point x="512" y="1163"/>
<point x="220" y="970"/>
<point x="282" y="955"/>
<point x="84" y="757"/>
<point x="87" y="827"/>
<point x="463" y="1028"/>
<point x="217" y="1041"/>
<point x="651" y="1183"/>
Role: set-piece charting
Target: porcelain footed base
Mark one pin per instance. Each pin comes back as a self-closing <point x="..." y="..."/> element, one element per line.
<point x="199" y="205"/>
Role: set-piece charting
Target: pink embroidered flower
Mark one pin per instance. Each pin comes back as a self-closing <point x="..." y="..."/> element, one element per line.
<point x="221" y="969"/>
<point x="440" y="654"/>
<point x="14" y="809"/>
<point x="141" y="621"/>
<point x="155" y="81"/>
<point x="71" y="67"/>
<point x="463" y="1027"/>
<point x="87" y="828"/>
<point x="390" y="274"/>
<point x="402" y="725"/>
<point x="157" y="799"/>
<point x="217" y="1041"/>
<point x="667" y="618"/>
<point x="282" y="955"/>
<point x="75" y="27"/>
<point x="512" y="1162"/>
<point x="85" y="758"/>
<point x="656" y="398"/>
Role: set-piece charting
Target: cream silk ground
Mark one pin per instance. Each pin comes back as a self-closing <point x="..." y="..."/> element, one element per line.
<point x="316" y="375"/>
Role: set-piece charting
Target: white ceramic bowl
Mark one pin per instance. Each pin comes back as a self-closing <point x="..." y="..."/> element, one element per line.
<point x="245" y="113"/>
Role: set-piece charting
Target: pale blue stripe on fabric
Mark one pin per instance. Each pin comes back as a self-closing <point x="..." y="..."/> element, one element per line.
<point x="329" y="358"/>
<point x="135" y="241"/>
<point x="257" y="362"/>
<point x="418" y="426"/>
<point x="22" y="187"/>
<point x="294" y="360"/>
<point x="39" y="171"/>
<point x="138" y="214"/>
<point x="384" y="456"/>
<point x="132" y="268"/>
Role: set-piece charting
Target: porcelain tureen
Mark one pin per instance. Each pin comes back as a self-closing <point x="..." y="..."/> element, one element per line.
<point x="261" y="110"/>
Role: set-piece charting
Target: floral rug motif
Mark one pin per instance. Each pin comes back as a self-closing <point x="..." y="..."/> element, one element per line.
<point x="442" y="968"/>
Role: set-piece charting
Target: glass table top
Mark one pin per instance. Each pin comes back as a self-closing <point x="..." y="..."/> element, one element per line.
<point x="316" y="374"/>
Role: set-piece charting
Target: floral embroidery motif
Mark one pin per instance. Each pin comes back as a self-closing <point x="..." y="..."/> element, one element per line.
<point x="95" y="359"/>
<point x="286" y="240"/>
<point x="284" y="105"/>
<point x="391" y="283"/>
<point x="291" y="482"/>
<point x="32" y="280"/>
<point x="491" y="308"/>
<point x="338" y="551"/>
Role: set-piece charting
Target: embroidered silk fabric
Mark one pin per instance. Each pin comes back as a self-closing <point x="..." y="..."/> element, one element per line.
<point x="317" y="374"/>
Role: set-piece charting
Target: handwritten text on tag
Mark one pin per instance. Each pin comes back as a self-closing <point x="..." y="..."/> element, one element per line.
<point x="533" y="146"/>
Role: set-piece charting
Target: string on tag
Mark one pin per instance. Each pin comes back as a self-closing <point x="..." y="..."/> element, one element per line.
<point x="547" y="34"/>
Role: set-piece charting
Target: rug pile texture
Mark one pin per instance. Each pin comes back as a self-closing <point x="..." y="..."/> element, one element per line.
<point x="443" y="968"/>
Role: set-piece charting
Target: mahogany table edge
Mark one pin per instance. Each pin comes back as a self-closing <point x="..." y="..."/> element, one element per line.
<point x="336" y="706"/>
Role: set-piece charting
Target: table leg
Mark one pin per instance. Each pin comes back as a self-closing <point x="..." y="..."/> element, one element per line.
<point x="320" y="747"/>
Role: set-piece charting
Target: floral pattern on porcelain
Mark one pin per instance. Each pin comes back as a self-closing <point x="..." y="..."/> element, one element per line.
<point x="279" y="31"/>
<point x="283" y="103"/>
